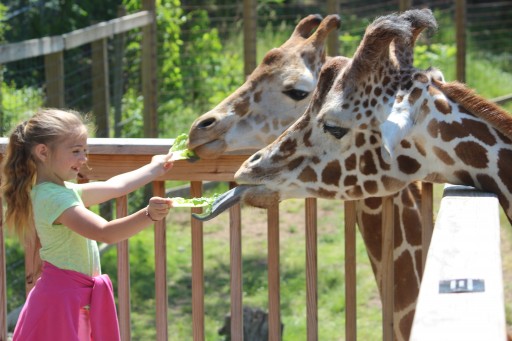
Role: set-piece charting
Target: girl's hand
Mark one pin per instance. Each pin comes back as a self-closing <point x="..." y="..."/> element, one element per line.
<point x="163" y="161"/>
<point x="158" y="208"/>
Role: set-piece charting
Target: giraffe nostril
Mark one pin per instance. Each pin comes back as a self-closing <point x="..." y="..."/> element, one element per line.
<point x="255" y="157"/>
<point x="208" y="122"/>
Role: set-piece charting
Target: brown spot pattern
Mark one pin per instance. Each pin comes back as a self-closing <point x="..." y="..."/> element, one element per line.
<point x="443" y="156"/>
<point x="420" y="148"/>
<point x="433" y="128"/>
<point x="453" y="130"/>
<point x="472" y="154"/>
<point x="295" y="163"/>
<point x="392" y="184"/>
<point x="405" y="285"/>
<point x="241" y="108"/>
<point x="504" y="167"/>
<point x="308" y="174"/>
<point x="350" y="180"/>
<point x="415" y="94"/>
<point x="332" y="173"/>
<point x="443" y="106"/>
<point x="307" y="138"/>
<point x="360" y="140"/>
<point x="367" y="164"/>
<point x="350" y="162"/>
<point x="407" y="164"/>
<point x="465" y="177"/>
<point x="370" y="186"/>
<point x="489" y="184"/>
<point x="480" y="131"/>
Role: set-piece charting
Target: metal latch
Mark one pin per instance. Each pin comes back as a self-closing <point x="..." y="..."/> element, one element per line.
<point x="463" y="285"/>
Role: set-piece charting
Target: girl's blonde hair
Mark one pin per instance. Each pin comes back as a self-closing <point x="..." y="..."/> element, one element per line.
<point x="47" y="126"/>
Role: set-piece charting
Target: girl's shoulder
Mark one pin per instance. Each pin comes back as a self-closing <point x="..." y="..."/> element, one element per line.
<point x="48" y="189"/>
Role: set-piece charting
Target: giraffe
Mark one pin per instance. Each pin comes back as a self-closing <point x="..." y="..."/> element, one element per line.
<point x="378" y="123"/>
<point x="273" y="97"/>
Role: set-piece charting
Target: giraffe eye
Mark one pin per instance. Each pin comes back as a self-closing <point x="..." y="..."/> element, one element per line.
<point x="295" y="94"/>
<point x="337" y="132"/>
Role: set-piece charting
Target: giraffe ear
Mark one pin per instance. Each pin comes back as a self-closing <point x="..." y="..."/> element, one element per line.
<point x="396" y="127"/>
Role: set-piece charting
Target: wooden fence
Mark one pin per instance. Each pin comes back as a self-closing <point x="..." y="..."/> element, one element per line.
<point x="109" y="157"/>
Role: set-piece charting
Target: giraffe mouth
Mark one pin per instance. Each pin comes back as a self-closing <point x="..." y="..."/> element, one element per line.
<point x="211" y="149"/>
<point x="254" y="195"/>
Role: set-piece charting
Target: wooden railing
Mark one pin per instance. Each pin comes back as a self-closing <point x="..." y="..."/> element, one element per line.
<point x="109" y="157"/>
<point x="461" y="295"/>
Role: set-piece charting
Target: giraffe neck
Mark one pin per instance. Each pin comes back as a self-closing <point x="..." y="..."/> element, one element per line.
<point x="407" y="253"/>
<point x="457" y="137"/>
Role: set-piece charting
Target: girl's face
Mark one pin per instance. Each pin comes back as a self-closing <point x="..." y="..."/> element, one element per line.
<point x="63" y="160"/>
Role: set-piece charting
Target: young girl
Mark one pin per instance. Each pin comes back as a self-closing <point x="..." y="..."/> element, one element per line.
<point x="71" y="300"/>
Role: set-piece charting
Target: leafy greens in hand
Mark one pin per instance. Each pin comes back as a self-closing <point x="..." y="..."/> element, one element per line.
<point x="180" y="150"/>
<point x="205" y="202"/>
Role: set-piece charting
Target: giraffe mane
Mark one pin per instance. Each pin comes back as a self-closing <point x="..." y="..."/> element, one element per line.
<point x="498" y="117"/>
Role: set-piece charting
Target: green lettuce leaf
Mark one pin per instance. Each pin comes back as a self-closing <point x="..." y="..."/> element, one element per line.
<point x="180" y="150"/>
<point x="194" y="202"/>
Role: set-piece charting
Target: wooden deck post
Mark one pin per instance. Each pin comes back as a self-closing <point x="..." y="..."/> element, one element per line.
<point x="236" y="285"/>
<point x="123" y="275"/>
<point x="100" y="87"/>
<point x="460" y="32"/>
<point x="250" y="24"/>
<point x="350" y="272"/>
<point x="196" y="189"/>
<point x="149" y="70"/>
<point x="311" y="270"/>
<point x="274" y="288"/>
<point x="54" y="75"/>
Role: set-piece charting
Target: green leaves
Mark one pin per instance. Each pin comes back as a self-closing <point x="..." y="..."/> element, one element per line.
<point x="180" y="150"/>
<point x="193" y="202"/>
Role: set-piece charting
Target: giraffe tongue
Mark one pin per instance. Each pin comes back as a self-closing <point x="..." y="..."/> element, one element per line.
<point x="223" y="202"/>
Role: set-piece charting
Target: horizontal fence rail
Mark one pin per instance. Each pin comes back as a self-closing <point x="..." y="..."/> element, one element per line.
<point x="461" y="295"/>
<point x="48" y="45"/>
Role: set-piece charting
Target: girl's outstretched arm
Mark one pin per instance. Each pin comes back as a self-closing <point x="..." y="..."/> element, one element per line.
<point x="100" y="191"/>
<point x="92" y="226"/>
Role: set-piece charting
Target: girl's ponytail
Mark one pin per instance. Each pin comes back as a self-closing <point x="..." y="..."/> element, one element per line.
<point x="18" y="176"/>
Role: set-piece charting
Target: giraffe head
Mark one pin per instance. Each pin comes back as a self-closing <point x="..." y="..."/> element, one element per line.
<point x="282" y="83"/>
<point x="343" y="146"/>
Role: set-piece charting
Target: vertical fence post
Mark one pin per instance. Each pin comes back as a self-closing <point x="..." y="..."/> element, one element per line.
<point x="350" y="272"/>
<point x="161" y="270"/>
<point x="100" y="87"/>
<point x="197" y="268"/>
<point x="250" y="25"/>
<point x="274" y="288"/>
<point x="123" y="275"/>
<point x="311" y="270"/>
<point x="3" y="280"/>
<point x="117" y="82"/>
<point x="54" y="74"/>
<point x="235" y="243"/>
<point x="405" y="5"/>
<point x="2" y="114"/>
<point x="460" y="23"/>
<point x="333" y="42"/>
<point x="149" y="72"/>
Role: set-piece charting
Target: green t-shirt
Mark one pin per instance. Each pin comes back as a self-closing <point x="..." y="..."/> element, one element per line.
<point x="59" y="245"/>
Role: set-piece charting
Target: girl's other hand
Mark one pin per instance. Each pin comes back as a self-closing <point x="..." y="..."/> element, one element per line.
<point x="158" y="208"/>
